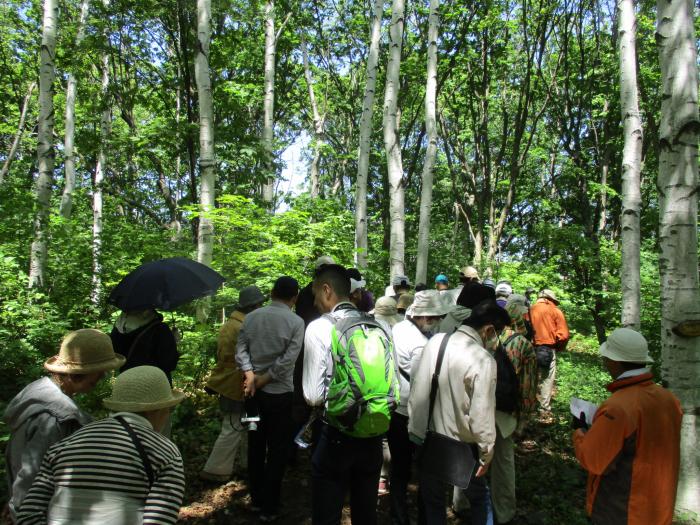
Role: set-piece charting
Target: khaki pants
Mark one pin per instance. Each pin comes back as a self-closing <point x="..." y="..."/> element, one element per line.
<point x="547" y="383"/>
<point x="232" y="443"/>
<point x="502" y="473"/>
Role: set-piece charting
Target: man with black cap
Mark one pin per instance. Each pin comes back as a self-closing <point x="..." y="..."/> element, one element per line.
<point x="268" y="345"/>
<point x="226" y="380"/>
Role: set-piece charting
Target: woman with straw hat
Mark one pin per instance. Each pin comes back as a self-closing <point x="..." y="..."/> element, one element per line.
<point x="44" y="412"/>
<point x="120" y="470"/>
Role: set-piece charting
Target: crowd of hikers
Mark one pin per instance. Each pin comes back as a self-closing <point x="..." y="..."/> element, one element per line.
<point x="425" y="384"/>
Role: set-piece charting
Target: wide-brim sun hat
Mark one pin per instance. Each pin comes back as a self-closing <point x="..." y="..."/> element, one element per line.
<point x="323" y="260"/>
<point x="85" y="351"/>
<point x="142" y="389"/>
<point x="627" y="346"/>
<point x="549" y="294"/>
<point x="427" y="303"/>
<point x="250" y="296"/>
<point x="385" y="306"/>
<point x="469" y="272"/>
<point x="391" y="320"/>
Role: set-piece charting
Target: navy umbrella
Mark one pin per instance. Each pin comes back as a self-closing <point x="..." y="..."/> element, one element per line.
<point x="165" y="284"/>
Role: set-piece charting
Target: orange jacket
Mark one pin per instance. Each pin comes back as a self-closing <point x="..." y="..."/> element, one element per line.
<point x="549" y="324"/>
<point x="632" y="453"/>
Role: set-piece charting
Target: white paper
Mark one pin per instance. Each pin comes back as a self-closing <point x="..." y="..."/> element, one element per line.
<point x="580" y="405"/>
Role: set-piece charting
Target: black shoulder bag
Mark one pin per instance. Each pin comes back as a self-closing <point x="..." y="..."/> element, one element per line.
<point x="444" y="458"/>
<point x="139" y="448"/>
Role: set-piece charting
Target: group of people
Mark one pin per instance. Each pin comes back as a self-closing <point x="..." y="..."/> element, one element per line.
<point x="431" y="382"/>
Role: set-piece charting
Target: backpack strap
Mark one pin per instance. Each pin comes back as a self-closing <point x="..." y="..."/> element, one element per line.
<point x="138" y="338"/>
<point x="510" y="338"/>
<point x="436" y="375"/>
<point x="139" y="448"/>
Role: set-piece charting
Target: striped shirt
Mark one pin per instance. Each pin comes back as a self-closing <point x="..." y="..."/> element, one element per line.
<point x="102" y="457"/>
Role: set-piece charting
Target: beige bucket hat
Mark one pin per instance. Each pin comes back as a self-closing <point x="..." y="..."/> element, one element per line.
<point x="549" y="294"/>
<point x="85" y="351"/>
<point x="427" y="303"/>
<point x="141" y="389"/>
<point x="385" y="310"/>
<point x="626" y="345"/>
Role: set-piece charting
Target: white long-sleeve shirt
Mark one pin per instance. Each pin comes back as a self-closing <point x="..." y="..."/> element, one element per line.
<point x="465" y="404"/>
<point x="408" y="344"/>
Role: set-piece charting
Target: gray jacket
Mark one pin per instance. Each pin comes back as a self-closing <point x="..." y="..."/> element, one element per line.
<point x="454" y="319"/>
<point x="39" y="416"/>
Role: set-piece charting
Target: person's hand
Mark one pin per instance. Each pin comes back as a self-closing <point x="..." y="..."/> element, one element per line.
<point x="483" y="469"/>
<point x="579" y="422"/>
<point x="261" y="380"/>
<point x="248" y="383"/>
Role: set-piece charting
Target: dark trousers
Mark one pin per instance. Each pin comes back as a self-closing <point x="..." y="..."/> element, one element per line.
<point x="401" y="450"/>
<point x="341" y="463"/>
<point x="268" y="449"/>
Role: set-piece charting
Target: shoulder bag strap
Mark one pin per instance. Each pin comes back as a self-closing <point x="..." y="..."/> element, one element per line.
<point x="436" y="375"/>
<point x="138" y="337"/>
<point x="139" y="448"/>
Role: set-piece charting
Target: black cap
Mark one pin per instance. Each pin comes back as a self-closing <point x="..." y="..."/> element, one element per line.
<point x="473" y="293"/>
<point x="285" y="288"/>
<point x="488" y="312"/>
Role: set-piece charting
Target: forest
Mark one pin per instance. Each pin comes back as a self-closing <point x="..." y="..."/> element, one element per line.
<point x="549" y="143"/>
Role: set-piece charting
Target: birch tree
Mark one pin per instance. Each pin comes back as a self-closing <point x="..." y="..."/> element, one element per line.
<point x="426" y="196"/>
<point x="69" y="139"/>
<point x="392" y="143"/>
<point x="318" y="120"/>
<point x="100" y="170"/>
<point x="678" y="211"/>
<point x="269" y="102"/>
<point x="365" y="136"/>
<point x="45" y="151"/>
<point x="18" y="136"/>
<point x="631" y="164"/>
<point x="205" y="238"/>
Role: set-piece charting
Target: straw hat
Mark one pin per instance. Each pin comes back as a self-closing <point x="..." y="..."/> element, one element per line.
<point x="141" y="389"/>
<point x="427" y="303"/>
<point x="626" y="345"/>
<point x="85" y="351"/>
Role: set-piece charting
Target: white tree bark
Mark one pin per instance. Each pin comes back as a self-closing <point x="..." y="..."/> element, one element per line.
<point x="365" y="137"/>
<point x="100" y="170"/>
<point x="426" y="196"/>
<point x="678" y="212"/>
<point x="18" y="136"/>
<point x="631" y="165"/>
<point x="45" y="151"/>
<point x="207" y="161"/>
<point x="269" y="102"/>
<point x="69" y="139"/>
<point x="319" y="131"/>
<point x="392" y="144"/>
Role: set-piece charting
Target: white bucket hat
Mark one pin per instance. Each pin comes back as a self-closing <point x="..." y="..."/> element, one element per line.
<point x="85" y="351"/>
<point x="141" y="389"/>
<point x="427" y="303"/>
<point x="626" y="345"/>
<point x="323" y="260"/>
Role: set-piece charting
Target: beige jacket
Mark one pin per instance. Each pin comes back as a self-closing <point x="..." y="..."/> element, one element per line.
<point x="225" y="378"/>
<point x="465" y="406"/>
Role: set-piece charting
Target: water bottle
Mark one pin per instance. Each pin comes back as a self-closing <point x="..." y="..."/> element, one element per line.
<point x="303" y="437"/>
<point x="251" y="414"/>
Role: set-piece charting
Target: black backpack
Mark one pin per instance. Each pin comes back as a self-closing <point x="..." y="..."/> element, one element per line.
<point x="507" y="382"/>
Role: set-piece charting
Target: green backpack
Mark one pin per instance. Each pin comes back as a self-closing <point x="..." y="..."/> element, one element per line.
<point x="364" y="389"/>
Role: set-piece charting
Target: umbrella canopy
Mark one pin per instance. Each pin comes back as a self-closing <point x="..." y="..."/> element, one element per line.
<point x="165" y="284"/>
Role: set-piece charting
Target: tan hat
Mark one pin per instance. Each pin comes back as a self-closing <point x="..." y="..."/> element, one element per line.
<point x="469" y="272"/>
<point x="427" y="303"/>
<point x="323" y="260"/>
<point x="626" y="345"/>
<point x="85" y="351"/>
<point x="549" y="294"/>
<point x="385" y="306"/>
<point x="141" y="389"/>
<point x="405" y="300"/>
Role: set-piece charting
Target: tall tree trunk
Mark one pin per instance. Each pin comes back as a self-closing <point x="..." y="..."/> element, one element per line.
<point x="392" y="144"/>
<point x="678" y="212"/>
<point x="365" y="137"/>
<point x="45" y="152"/>
<point x="631" y="165"/>
<point x="69" y="139"/>
<point x="426" y="197"/>
<point x="18" y="136"/>
<point x="269" y="103"/>
<point x="319" y="139"/>
<point x="207" y="161"/>
<point x="100" y="170"/>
